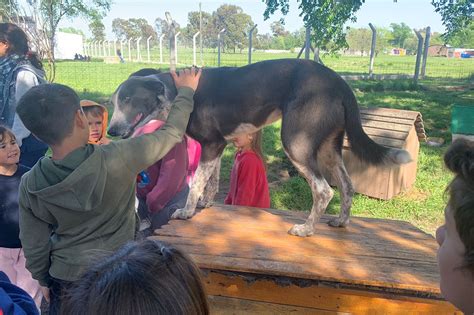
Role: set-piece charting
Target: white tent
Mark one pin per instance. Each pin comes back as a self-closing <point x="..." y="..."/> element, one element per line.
<point x="67" y="45"/>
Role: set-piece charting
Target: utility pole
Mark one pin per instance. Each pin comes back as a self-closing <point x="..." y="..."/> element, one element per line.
<point x="200" y="31"/>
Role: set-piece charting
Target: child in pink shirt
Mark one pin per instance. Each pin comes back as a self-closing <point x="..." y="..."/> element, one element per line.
<point x="163" y="187"/>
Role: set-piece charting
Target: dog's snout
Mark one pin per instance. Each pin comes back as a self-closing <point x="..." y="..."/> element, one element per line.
<point x="112" y="131"/>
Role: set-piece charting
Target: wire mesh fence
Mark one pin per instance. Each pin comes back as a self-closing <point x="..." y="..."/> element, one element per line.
<point x="106" y="70"/>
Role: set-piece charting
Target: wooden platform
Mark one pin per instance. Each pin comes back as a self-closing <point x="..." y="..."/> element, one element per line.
<point x="251" y="265"/>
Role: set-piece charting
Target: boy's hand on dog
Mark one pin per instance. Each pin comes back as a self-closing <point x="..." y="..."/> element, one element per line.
<point x="187" y="77"/>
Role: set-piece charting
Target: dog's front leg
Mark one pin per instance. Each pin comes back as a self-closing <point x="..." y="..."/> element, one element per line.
<point x="203" y="173"/>
<point x="212" y="187"/>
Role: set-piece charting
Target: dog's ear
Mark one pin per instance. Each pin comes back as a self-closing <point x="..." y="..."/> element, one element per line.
<point x="154" y="86"/>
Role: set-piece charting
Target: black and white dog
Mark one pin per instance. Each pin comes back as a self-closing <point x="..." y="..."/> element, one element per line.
<point x="316" y="107"/>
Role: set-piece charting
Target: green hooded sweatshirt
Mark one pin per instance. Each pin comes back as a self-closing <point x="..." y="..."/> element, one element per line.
<point x="73" y="208"/>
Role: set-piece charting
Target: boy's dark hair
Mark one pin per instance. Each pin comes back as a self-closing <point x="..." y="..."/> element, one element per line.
<point x="4" y="131"/>
<point x="459" y="158"/>
<point x="146" y="277"/>
<point x="95" y="111"/>
<point x="48" y="111"/>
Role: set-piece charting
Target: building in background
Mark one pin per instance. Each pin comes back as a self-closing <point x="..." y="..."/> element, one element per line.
<point x="67" y="45"/>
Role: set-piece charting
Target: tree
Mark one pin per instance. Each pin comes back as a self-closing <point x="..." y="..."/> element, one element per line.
<point x="325" y="17"/>
<point x="97" y="29"/>
<point x="7" y="7"/>
<point x="193" y="26"/>
<point x="132" y="28"/>
<point x="464" y="38"/>
<point x="236" y="22"/>
<point x="456" y="15"/>
<point x="359" y="39"/>
<point x="384" y="38"/>
<point x="53" y="11"/>
<point x="71" y="30"/>
<point x="278" y="28"/>
<point x="400" y="33"/>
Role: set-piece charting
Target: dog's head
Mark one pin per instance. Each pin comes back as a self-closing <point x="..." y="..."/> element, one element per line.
<point x="138" y="100"/>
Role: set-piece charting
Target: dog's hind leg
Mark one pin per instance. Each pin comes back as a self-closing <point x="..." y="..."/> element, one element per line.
<point x="210" y="158"/>
<point x="330" y="159"/>
<point x="211" y="189"/>
<point x="321" y="193"/>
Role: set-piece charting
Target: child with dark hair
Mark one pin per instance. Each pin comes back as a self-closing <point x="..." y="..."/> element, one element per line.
<point x="98" y="116"/>
<point x="20" y="69"/>
<point x="456" y="236"/>
<point x="12" y="257"/>
<point x="248" y="178"/>
<point x="147" y="278"/>
<point x="82" y="199"/>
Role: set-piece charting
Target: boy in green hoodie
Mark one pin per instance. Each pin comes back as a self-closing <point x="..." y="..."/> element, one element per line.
<point x="82" y="199"/>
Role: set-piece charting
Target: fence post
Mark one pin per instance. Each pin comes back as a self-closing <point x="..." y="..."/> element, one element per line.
<point x="115" y="47"/>
<point x="250" y="42"/>
<point x="99" y="48"/>
<point x="139" y="57"/>
<point x="307" y="43"/>
<point x="418" y="56"/>
<point x="425" y="51"/>
<point x="104" y="48"/>
<point x="93" y="48"/>
<point x="129" y="50"/>
<point x="194" y="47"/>
<point x="176" y="47"/>
<point x="108" y="48"/>
<point x="372" y="50"/>
<point x="148" y="47"/>
<point x="219" y="47"/>
<point x="161" y="47"/>
<point x="171" y="36"/>
<point x="121" y="46"/>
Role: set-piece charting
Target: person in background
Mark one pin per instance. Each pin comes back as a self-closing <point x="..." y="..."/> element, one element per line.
<point x="20" y="69"/>
<point x="248" y="178"/>
<point x="12" y="257"/>
<point x="456" y="236"/>
<point x="98" y="116"/>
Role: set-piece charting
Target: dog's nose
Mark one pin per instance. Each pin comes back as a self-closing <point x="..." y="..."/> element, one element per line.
<point x="112" y="131"/>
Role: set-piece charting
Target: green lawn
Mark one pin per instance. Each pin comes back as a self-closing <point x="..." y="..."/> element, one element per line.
<point x="423" y="205"/>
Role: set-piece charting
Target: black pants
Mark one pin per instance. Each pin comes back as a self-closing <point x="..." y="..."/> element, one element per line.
<point x="57" y="290"/>
<point x="163" y="216"/>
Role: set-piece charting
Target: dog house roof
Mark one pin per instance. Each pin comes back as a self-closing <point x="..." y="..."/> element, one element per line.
<point x="390" y="127"/>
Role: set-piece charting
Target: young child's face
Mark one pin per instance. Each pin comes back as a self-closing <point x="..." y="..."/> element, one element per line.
<point x="243" y="141"/>
<point x="456" y="283"/>
<point x="9" y="151"/>
<point x="95" y="127"/>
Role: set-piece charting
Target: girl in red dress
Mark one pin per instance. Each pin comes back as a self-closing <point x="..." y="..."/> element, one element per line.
<point x="248" y="179"/>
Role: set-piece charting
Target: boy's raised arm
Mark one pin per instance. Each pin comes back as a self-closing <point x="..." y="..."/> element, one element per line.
<point x="141" y="152"/>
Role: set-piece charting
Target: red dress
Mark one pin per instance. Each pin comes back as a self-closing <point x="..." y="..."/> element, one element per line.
<point x="248" y="181"/>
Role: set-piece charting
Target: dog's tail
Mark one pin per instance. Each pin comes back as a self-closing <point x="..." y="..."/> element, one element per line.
<point x="364" y="147"/>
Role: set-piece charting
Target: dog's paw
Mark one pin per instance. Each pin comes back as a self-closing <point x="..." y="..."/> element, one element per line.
<point x="204" y="204"/>
<point x="338" y="222"/>
<point x="182" y="214"/>
<point x="301" y="230"/>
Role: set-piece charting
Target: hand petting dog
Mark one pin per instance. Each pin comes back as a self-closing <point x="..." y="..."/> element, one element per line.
<point x="187" y="78"/>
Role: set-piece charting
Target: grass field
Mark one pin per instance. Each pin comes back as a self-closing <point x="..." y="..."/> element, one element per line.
<point x="423" y="205"/>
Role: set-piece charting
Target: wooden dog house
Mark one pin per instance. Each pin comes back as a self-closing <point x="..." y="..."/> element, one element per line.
<point x="394" y="128"/>
<point x="251" y="265"/>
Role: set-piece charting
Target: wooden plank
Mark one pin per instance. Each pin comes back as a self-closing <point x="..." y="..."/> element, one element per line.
<point x="388" y="126"/>
<point x="392" y="143"/>
<point x="322" y="297"/>
<point x="385" y="133"/>
<point x="390" y="112"/>
<point x="226" y="305"/>
<point x="389" y="120"/>
<point x="382" y="253"/>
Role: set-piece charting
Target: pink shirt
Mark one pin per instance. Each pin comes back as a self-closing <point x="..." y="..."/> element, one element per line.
<point x="168" y="175"/>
